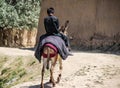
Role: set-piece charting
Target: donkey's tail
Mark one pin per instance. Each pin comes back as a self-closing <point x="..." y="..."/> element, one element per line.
<point x="48" y="58"/>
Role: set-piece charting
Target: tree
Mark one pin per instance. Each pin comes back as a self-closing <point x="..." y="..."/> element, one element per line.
<point x="20" y="14"/>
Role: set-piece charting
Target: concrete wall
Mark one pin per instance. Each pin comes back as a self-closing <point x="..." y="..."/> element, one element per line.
<point x="92" y="22"/>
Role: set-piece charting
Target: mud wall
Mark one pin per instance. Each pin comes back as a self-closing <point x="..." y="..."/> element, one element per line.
<point x="94" y="24"/>
<point x="17" y="38"/>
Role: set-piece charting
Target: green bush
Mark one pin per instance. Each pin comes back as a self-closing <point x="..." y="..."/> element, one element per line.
<point x="10" y="76"/>
<point x="20" y="14"/>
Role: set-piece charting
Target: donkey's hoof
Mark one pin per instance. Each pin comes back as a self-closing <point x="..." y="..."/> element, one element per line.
<point x="58" y="80"/>
<point x="54" y="84"/>
<point x="50" y="81"/>
<point x="41" y="86"/>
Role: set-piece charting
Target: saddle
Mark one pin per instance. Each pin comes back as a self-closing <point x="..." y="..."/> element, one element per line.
<point x="55" y="43"/>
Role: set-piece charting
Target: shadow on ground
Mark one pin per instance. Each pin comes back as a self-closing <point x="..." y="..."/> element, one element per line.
<point x="32" y="49"/>
<point x="46" y="85"/>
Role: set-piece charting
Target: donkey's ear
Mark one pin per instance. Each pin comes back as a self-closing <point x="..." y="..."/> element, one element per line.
<point x="66" y="23"/>
<point x="61" y="29"/>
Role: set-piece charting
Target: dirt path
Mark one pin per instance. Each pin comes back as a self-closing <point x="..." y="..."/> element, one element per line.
<point x="15" y="51"/>
<point x="84" y="70"/>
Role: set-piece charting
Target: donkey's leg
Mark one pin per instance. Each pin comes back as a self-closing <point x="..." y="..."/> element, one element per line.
<point x="60" y="68"/>
<point x="53" y="63"/>
<point x="51" y="76"/>
<point x="43" y="71"/>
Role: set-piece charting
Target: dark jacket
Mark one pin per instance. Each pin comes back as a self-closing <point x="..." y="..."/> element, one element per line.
<point x="51" y="24"/>
<point x="56" y="41"/>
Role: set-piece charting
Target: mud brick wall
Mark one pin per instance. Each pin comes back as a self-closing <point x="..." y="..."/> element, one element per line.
<point x="18" y="38"/>
<point x="94" y="24"/>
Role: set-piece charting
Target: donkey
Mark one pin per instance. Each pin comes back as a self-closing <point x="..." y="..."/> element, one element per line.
<point x="50" y="53"/>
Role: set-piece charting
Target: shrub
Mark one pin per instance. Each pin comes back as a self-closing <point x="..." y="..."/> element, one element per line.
<point x="20" y="14"/>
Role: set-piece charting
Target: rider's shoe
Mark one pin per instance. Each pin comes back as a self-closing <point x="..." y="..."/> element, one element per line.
<point x="69" y="51"/>
<point x="70" y="54"/>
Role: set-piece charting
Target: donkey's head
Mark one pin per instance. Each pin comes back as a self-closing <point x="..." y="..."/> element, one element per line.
<point x="63" y="28"/>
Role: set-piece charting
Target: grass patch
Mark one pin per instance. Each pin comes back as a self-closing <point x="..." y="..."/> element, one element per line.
<point x="3" y="59"/>
<point x="18" y="69"/>
<point x="5" y="71"/>
<point x="31" y="63"/>
<point x="9" y="76"/>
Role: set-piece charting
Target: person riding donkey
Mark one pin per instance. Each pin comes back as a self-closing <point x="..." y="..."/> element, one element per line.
<point x="51" y="24"/>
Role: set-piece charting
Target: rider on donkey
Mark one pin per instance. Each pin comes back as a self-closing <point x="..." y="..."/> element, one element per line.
<point x="51" y="24"/>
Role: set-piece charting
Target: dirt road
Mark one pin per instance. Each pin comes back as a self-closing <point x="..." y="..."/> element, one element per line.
<point x="84" y="70"/>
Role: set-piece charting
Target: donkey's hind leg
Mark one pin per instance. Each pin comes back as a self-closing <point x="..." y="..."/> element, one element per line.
<point x="60" y="68"/>
<point x="43" y="71"/>
<point x="53" y="63"/>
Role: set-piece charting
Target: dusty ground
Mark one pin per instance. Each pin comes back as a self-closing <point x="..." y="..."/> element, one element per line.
<point x="83" y="70"/>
